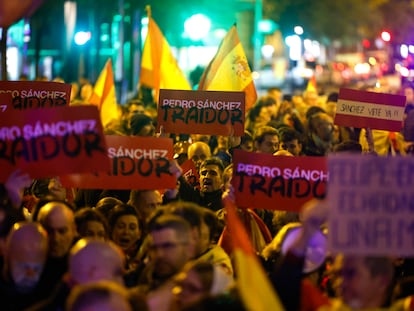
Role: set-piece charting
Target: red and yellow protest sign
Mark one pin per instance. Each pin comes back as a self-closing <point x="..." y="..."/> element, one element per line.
<point x="370" y="110"/>
<point x="22" y="95"/>
<point x="51" y="142"/>
<point x="277" y="182"/>
<point x="202" y="112"/>
<point x="136" y="163"/>
<point x="371" y="202"/>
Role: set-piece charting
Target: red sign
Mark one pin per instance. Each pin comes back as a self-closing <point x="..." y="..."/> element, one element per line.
<point x="136" y="163"/>
<point x="277" y="182"/>
<point x="202" y="112"/>
<point x="22" y="95"/>
<point x="370" y="110"/>
<point x="190" y="173"/>
<point x="50" y="142"/>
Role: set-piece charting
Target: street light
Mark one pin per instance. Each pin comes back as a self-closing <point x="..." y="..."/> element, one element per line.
<point x="197" y="26"/>
<point x="81" y="38"/>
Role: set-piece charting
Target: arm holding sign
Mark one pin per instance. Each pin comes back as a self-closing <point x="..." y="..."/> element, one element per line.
<point x="14" y="186"/>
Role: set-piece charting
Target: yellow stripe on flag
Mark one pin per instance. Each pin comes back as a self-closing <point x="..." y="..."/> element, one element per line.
<point x="229" y="70"/>
<point x="159" y="68"/>
<point x="104" y="96"/>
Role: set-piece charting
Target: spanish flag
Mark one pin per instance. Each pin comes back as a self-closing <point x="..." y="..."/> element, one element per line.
<point x="229" y="70"/>
<point x="255" y="288"/>
<point x="159" y="68"/>
<point x="103" y="95"/>
<point x="312" y="87"/>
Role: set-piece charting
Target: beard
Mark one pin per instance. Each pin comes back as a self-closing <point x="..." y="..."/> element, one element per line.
<point x="26" y="285"/>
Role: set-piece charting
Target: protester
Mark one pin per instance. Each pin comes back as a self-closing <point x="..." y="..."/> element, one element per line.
<point x="197" y="280"/>
<point x="58" y="219"/>
<point x="211" y="184"/>
<point x="90" y="261"/>
<point x="90" y="223"/>
<point x="266" y="140"/>
<point x="171" y="246"/>
<point x="126" y="230"/>
<point x="22" y="267"/>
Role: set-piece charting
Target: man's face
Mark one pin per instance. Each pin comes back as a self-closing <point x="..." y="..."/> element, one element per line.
<point x="293" y="146"/>
<point x="61" y="231"/>
<point x="198" y="154"/>
<point x="270" y="144"/>
<point x="169" y="252"/>
<point x="149" y="201"/>
<point x="325" y="127"/>
<point x="355" y="283"/>
<point x="211" y="178"/>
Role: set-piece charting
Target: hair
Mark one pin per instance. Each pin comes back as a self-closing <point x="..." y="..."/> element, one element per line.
<point x="263" y="131"/>
<point x="106" y="204"/>
<point x="333" y="97"/>
<point x="289" y="134"/>
<point x="312" y="111"/>
<point x="191" y="212"/>
<point x="123" y="210"/>
<point x="170" y="221"/>
<point x="86" y="214"/>
<point x="138" y="121"/>
<point x="213" y="161"/>
<point x="314" y="119"/>
<point x="247" y="136"/>
<point x="45" y="200"/>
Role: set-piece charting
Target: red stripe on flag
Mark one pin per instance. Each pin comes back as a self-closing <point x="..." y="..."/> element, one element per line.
<point x="371" y="97"/>
<point x="239" y="237"/>
<point x="365" y="122"/>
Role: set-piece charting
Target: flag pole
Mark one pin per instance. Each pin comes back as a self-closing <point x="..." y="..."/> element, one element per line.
<point x="148" y="10"/>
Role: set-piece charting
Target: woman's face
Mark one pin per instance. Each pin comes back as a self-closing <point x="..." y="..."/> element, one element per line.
<point x="189" y="288"/>
<point x="94" y="229"/>
<point x="126" y="231"/>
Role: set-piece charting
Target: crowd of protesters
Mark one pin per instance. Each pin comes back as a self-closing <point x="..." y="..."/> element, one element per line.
<point x="168" y="249"/>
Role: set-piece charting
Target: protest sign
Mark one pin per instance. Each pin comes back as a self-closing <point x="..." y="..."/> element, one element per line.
<point x="202" y="112"/>
<point x="277" y="182"/>
<point x="190" y="173"/>
<point x="22" y="95"/>
<point x="136" y="163"/>
<point x="372" y="205"/>
<point x="49" y="142"/>
<point x="370" y="110"/>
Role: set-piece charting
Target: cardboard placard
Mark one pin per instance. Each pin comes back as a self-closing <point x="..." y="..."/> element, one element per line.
<point x="23" y="95"/>
<point x="272" y="182"/>
<point x="370" y="110"/>
<point x="202" y="112"/>
<point x="136" y="163"/>
<point x="50" y="142"/>
<point x="372" y="205"/>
